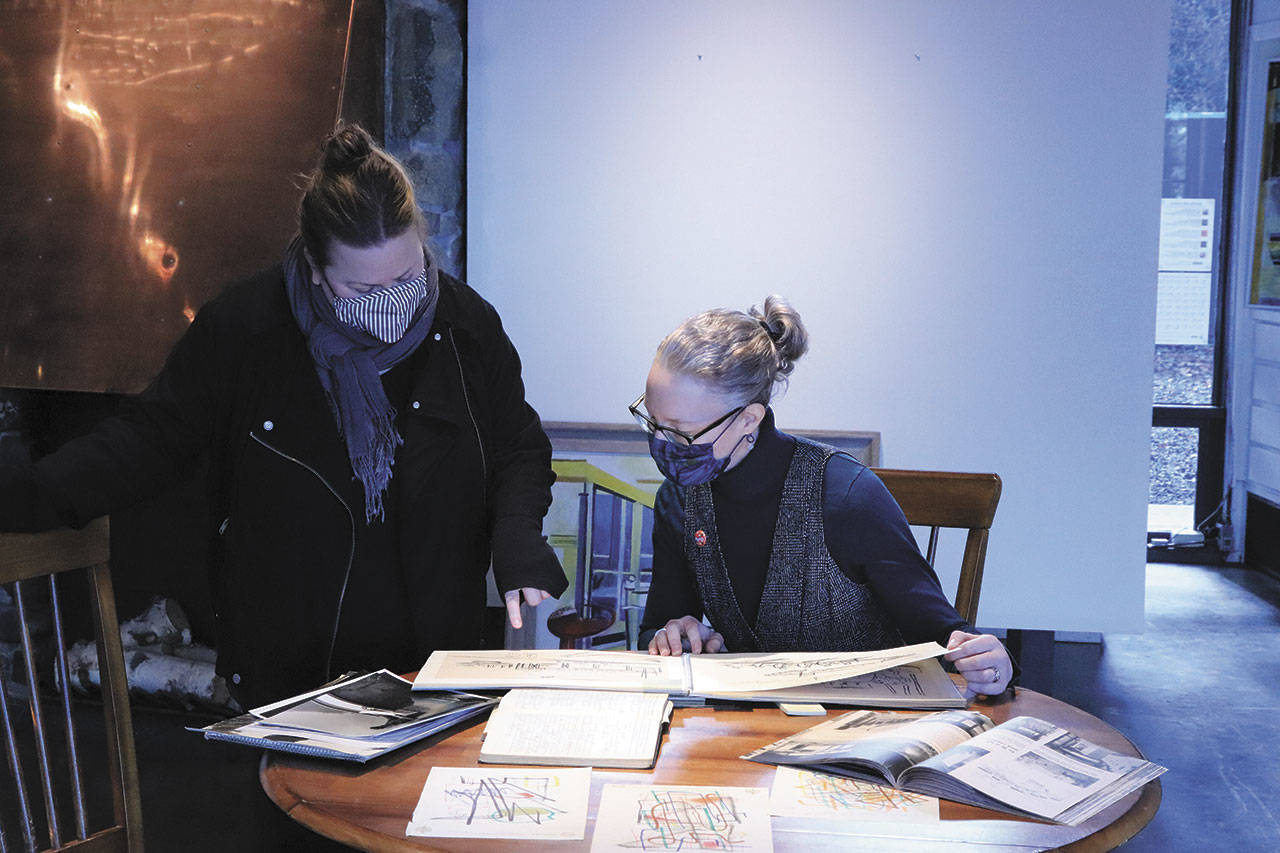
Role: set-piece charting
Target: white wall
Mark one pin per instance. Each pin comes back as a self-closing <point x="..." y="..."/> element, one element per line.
<point x="1264" y="11"/>
<point x="962" y="200"/>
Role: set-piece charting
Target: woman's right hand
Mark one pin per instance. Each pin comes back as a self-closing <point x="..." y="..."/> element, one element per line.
<point x="685" y="634"/>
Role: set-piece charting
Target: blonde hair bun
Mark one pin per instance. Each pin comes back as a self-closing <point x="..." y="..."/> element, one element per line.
<point x="743" y="355"/>
<point x="785" y="329"/>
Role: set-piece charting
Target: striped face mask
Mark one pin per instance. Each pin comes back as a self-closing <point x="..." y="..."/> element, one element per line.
<point x="386" y="312"/>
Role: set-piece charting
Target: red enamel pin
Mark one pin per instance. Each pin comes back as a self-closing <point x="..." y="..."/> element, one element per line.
<point x="700" y="538"/>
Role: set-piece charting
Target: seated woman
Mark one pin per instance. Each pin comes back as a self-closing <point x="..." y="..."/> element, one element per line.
<point x="784" y="544"/>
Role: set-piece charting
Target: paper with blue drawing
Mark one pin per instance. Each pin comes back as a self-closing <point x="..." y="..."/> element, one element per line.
<point x="539" y="803"/>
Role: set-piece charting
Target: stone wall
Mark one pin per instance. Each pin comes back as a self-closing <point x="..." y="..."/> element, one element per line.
<point x="14" y="448"/>
<point x="426" y="114"/>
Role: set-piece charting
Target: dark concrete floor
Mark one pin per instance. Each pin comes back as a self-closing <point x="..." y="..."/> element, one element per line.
<point x="1199" y="692"/>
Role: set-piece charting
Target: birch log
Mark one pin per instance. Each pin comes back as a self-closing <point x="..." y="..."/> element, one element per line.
<point x="161" y="663"/>
<point x="163" y="623"/>
<point x="167" y="679"/>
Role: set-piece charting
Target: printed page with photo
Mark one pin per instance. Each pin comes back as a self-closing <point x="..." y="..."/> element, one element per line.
<point x="874" y="746"/>
<point x="1032" y="767"/>
<point x="1025" y="766"/>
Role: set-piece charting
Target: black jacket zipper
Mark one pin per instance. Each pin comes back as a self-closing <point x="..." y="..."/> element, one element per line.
<point x="466" y="398"/>
<point x="351" y="550"/>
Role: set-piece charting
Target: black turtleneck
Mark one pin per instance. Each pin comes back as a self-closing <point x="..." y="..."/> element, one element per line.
<point x="866" y="534"/>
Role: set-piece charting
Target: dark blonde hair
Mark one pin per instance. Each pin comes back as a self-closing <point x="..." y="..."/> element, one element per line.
<point x="743" y="355"/>
<point x="358" y="195"/>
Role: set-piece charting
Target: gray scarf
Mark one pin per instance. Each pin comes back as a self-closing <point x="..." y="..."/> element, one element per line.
<point x="349" y="363"/>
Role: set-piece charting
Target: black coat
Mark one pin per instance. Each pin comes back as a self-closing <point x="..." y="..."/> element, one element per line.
<point x="240" y="391"/>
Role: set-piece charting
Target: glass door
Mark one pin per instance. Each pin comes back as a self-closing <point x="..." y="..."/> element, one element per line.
<point x="1188" y="417"/>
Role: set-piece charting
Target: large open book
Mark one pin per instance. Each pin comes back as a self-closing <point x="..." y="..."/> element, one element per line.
<point x="906" y="677"/>
<point x="1025" y="766"/>
<point x="355" y="718"/>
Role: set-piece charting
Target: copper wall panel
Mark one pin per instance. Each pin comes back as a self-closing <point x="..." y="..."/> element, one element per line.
<point x="149" y="154"/>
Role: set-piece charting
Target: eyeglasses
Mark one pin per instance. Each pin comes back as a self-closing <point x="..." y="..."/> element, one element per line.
<point x="669" y="433"/>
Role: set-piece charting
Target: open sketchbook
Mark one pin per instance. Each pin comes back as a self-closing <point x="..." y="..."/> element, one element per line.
<point x="355" y="718"/>
<point x="1025" y="766"/>
<point x="595" y="728"/>
<point x="834" y="677"/>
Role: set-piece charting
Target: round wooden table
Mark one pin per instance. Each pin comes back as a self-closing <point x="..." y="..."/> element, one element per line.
<point x="368" y="807"/>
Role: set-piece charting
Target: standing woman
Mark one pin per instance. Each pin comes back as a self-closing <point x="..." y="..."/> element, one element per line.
<point x="367" y="442"/>
<point x="782" y="543"/>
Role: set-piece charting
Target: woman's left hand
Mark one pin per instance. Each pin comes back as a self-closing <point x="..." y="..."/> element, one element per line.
<point x="982" y="660"/>
<point x="531" y="596"/>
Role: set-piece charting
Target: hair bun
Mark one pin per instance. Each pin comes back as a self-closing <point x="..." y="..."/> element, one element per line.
<point x="357" y="195"/>
<point x="725" y="350"/>
<point x="788" y="334"/>
<point x="344" y="150"/>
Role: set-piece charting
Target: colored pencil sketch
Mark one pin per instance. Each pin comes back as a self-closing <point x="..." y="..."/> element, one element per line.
<point x="682" y="817"/>
<point x="459" y="802"/>
<point x="802" y="793"/>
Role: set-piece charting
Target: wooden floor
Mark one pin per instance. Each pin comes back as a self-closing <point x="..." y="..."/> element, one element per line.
<point x="1212" y="641"/>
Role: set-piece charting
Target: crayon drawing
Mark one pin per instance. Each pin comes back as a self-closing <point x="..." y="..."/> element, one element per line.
<point x="680" y="817"/>
<point x="802" y="793"/>
<point x="510" y="802"/>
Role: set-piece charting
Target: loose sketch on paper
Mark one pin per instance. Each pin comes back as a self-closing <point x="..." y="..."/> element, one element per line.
<point x="802" y="793"/>
<point x="682" y="817"/>
<point x="511" y="802"/>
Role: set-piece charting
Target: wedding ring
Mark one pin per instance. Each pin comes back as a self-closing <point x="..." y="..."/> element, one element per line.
<point x="995" y="675"/>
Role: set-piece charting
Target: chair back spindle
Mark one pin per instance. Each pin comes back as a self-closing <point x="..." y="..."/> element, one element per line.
<point x="43" y="762"/>
<point x="27" y="821"/>
<point x="63" y="676"/>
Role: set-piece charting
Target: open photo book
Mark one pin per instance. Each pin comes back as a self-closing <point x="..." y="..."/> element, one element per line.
<point x="906" y="677"/>
<point x="1025" y="766"/>
<point x="355" y="718"/>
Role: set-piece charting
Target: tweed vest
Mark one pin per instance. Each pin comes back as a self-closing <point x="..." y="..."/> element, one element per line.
<point x="808" y="604"/>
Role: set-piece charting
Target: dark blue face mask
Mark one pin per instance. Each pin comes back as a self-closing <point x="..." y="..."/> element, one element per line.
<point x="689" y="464"/>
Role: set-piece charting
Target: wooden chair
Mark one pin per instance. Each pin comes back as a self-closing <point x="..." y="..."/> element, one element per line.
<point x="937" y="499"/>
<point x="24" y="560"/>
